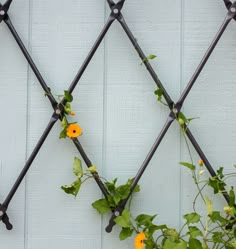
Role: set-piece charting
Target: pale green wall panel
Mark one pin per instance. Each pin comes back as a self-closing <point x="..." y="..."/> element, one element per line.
<point x="117" y="109"/>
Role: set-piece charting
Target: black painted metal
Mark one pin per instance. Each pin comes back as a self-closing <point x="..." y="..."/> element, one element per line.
<point x="173" y="114"/>
<point x="58" y="110"/>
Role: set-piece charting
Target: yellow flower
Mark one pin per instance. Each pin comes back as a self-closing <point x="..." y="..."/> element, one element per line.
<point x="139" y="240"/>
<point x="73" y="130"/>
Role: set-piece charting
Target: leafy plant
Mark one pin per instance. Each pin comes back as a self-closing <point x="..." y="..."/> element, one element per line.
<point x="212" y="229"/>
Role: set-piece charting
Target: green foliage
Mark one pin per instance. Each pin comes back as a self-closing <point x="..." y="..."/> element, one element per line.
<point x="159" y="94"/>
<point x="188" y="165"/>
<point x="217" y="184"/>
<point x="125" y="233"/>
<point x="180" y="244"/>
<point x="65" y="103"/>
<point x="101" y="205"/>
<point x="124" y="219"/>
<point x="149" y="57"/>
<point x="77" y="167"/>
<point x="63" y="134"/>
<point x="183" y="120"/>
<point x="92" y="169"/>
<point x="117" y="193"/>
<point x="209" y="205"/>
<point x="192" y="218"/>
<point x="214" y="229"/>
<point x="67" y="96"/>
<point x="144" y="220"/>
<point x="194" y="232"/>
<point x="73" y="188"/>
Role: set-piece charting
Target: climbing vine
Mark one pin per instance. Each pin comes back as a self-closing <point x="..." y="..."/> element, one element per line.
<point x="211" y="229"/>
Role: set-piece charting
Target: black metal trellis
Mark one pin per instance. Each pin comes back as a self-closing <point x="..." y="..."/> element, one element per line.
<point x="58" y="112"/>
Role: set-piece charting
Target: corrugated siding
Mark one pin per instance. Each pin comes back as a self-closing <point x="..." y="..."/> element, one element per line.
<point x="117" y="109"/>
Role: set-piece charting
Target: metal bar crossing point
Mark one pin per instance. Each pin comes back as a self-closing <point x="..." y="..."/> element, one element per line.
<point x="59" y="112"/>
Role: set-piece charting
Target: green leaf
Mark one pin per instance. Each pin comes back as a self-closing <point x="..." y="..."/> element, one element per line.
<point x="194" y="244"/>
<point x="145" y="220"/>
<point x="153" y="228"/>
<point x="67" y="108"/>
<point x="92" y="169"/>
<point x="192" y="218"/>
<point x="194" y="232"/>
<point x="64" y="123"/>
<point x="150" y="244"/>
<point x="73" y="188"/>
<point x="111" y="202"/>
<point x="137" y="188"/>
<point x="125" y="233"/>
<point x="101" y="206"/>
<point x="124" y="219"/>
<point x="216" y="184"/>
<point x="220" y="172"/>
<point x="123" y="191"/>
<point x="181" y="121"/>
<point x="159" y="93"/>
<point x="111" y="186"/>
<point x="149" y="57"/>
<point x="182" y="116"/>
<point x="175" y="245"/>
<point x="231" y="197"/>
<point x="215" y="216"/>
<point x="68" y="97"/>
<point x="209" y="205"/>
<point x="116" y="198"/>
<point x="63" y="134"/>
<point x="188" y="165"/>
<point x="77" y="167"/>
<point x="171" y="234"/>
<point x="217" y="237"/>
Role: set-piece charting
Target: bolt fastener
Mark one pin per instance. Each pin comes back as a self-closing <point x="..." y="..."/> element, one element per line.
<point x="2" y="12"/>
<point x="233" y="9"/>
<point x="1" y="213"/>
<point x="115" y="11"/>
<point x="175" y="110"/>
<point x="58" y="111"/>
<point x="117" y="213"/>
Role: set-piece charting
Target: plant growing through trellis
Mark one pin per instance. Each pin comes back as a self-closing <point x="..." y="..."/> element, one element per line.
<point x="117" y="197"/>
<point x="214" y="229"/>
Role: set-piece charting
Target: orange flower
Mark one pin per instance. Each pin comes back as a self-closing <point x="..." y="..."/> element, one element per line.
<point x="139" y="241"/>
<point x="72" y="113"/>
<point x="200" y="162"/>
<point x="73" y="130"/>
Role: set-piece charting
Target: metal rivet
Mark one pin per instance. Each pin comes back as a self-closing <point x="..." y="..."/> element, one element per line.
<point x="175" y="110"/>
<point x="2" y="12"/>
<point x="233" y="9"/>
<point x="1" y="213"/>
<point x="58" y="111"/>
<point x="116" y="11"/>
<point x="117" y="213"/>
